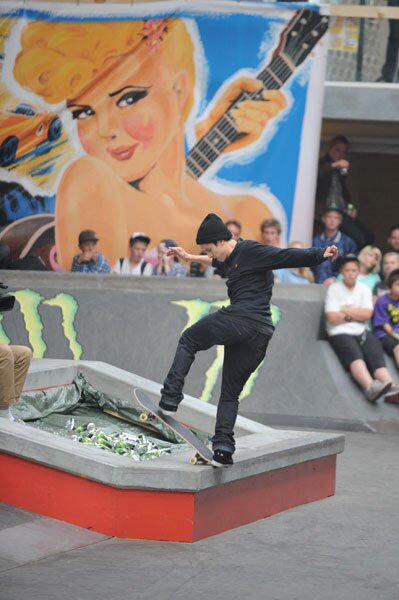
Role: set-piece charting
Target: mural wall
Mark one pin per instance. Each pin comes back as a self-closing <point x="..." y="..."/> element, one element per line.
<point x="123" y="120"/>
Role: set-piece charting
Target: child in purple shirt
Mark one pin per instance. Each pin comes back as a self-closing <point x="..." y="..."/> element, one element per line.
<point x="386" y="317"/>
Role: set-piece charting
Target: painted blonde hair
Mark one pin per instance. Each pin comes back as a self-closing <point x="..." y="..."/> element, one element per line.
<point x="58" y="61"/>
<point x="377" y="254"/>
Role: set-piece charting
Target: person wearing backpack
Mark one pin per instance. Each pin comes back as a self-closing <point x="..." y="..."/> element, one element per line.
<point x="134" y="264"/>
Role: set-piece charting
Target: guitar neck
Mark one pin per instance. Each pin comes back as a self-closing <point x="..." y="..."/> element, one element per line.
<point x="224" y="132"/>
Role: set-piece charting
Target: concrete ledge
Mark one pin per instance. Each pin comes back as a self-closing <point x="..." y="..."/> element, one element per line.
<point x="166" y="498"/>
<point x="255" y="454"/>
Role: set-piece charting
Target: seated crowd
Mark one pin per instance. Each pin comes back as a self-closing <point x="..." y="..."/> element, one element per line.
<point x="359" y="332"/>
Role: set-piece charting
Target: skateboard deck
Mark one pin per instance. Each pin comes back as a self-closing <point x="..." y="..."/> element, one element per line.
<point x="203" y="453"/>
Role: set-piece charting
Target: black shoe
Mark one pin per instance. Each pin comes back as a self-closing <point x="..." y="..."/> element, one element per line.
<point x="167" y="409"/>
<point x="222" y="458"/>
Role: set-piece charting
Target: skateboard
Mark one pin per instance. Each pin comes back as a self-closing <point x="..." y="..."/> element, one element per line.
<point x="203" y="454"/>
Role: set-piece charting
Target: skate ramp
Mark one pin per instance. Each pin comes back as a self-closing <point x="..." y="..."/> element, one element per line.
<point x="135" y="323"/>
<point x="165" y="497"/>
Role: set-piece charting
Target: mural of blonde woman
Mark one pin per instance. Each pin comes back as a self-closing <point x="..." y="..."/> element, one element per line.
<point x="130" y="87"/>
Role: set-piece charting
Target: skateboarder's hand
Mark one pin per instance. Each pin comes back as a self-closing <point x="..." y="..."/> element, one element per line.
<point x="179" y="252"/>
<point x="331" y="252"/>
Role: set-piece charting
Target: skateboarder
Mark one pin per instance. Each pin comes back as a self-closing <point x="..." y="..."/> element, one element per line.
<point x="244" y="328"/>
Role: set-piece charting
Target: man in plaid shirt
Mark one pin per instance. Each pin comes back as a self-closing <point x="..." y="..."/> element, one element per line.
<point x="89" y="260"/>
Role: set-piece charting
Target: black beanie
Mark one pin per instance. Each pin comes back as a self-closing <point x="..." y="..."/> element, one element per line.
<point x="212" y="229"/>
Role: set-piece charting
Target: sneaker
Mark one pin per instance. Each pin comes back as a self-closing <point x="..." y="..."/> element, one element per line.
<point x="167" y="409"/>
<point x="222" y="458"/>
<point x="376" y="389"/>
<point x="393" y="395"/>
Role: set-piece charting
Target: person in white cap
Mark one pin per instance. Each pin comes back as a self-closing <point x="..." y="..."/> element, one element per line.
<point x="134" y="264"/>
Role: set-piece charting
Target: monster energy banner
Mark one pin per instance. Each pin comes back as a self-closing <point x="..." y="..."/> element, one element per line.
<point x="117" y="327"/>
<point x="145" y="118"/>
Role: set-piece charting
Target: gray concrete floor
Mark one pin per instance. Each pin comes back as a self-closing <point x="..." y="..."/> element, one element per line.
<point x="345" y="547"/>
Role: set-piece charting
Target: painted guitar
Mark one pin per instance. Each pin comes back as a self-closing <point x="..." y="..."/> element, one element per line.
<point x="296" y="42"/>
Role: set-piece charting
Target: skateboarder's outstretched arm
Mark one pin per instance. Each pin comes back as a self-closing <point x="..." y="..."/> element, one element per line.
<point x="181" y="253"/>
<point x="277" y="258"/>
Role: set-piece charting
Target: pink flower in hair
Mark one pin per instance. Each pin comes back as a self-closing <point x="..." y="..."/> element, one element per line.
<point x="153" y="33"/>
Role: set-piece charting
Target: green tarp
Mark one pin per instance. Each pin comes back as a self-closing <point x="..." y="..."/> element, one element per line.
<point x="77" y="411"/>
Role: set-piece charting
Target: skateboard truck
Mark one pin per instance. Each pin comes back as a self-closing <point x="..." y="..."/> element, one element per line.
<point x="203" y="455"/>
<point x="197" y="459"/>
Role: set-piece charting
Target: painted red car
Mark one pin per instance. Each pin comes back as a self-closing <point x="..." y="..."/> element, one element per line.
<point x="23" y="129"/>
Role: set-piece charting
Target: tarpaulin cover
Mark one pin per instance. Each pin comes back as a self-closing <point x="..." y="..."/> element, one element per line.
<point x="68" y="410"/>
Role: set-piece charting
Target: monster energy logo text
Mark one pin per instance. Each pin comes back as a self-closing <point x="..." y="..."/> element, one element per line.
<point x="29" y="302"/>
<point x="195" y="310"/>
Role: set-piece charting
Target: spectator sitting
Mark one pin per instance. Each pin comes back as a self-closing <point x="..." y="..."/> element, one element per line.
<point x="235" y="228"/>
<point x="348" y="307"/>
<point x="300" y="275"/>
<point x="89" y="260"/>
<point x="197" y="269"/>
<point x="14" y="365"/>
<point x="168" y="266"/>
<point x="332" y="220"/>
<point x="393" y="238"/>
<point x="386" y="323"/>
<point x="332" y="189"/>
<point x="135" y="263"/>
<point x="370" y="266"/>
<point x="390" y="262"/>
<point x="270" y="232"/>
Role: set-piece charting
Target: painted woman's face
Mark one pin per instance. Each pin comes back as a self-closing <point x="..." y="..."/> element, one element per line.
<point x="129" y="116"/>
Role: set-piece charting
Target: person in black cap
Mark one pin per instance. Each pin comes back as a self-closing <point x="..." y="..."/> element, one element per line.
<point x="89" y="260"/>
<point x="244" y="328"/>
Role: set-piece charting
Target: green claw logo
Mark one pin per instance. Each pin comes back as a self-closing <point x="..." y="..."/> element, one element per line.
<point x="29" y="302"/>
<point x="195" y="310"/>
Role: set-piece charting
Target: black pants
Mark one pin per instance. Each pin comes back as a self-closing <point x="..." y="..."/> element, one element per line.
<point x="244" y="350"/>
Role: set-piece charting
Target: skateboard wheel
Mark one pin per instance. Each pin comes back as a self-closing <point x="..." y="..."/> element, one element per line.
<point x="193" y="460"/>
<point x="143" y="417"/>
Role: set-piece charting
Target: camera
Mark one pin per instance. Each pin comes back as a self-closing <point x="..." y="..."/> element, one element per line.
<point x="196" y="270"/>
<point x="6" y="301"/>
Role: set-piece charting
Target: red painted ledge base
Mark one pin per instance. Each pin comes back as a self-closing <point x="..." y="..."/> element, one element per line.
<point x="162" y="515"/>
